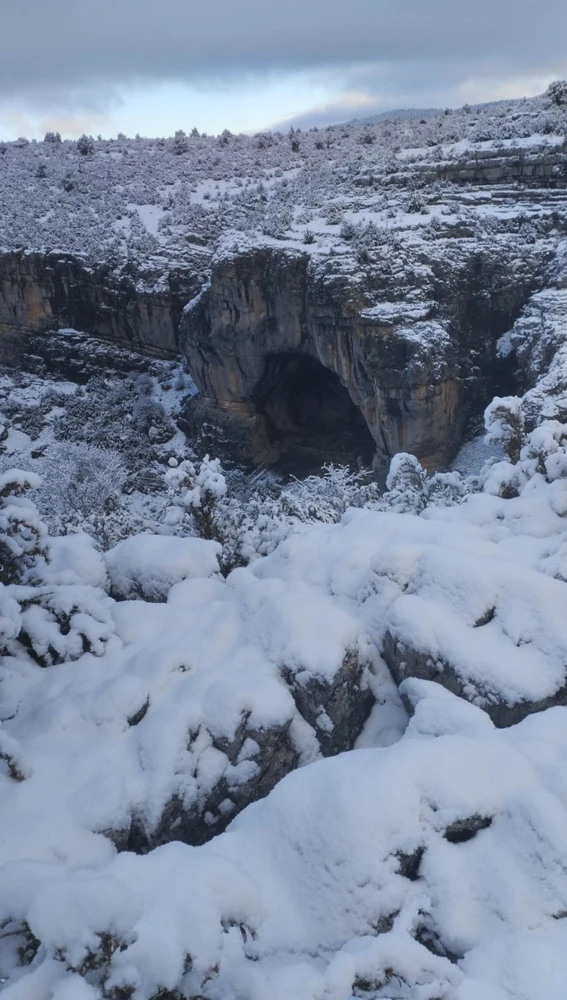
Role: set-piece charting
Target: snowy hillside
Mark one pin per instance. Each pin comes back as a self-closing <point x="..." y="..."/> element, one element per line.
<point x="146" y="199"/>
<point x="274" y="739"/>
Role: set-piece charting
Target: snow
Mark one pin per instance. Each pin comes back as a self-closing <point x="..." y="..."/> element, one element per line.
<point x="150" y="216"/>
<point x="305" y="894"/>
<point x="429" y="862"/>
<point x="457" y="149"/>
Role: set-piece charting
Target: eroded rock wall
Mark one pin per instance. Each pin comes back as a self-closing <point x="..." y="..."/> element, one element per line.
<point x="42" y="292"/>
<point x="414" y="366"/>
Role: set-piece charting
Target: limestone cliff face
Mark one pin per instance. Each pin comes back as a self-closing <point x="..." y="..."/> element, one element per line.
<point x="41" y="292"/>
<point x="281" y="344"/>
<point x="293" y="352"/>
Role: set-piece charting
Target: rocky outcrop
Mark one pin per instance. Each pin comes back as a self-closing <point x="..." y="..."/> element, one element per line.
<point x="285" y="349"/>
<point x="298" y="355"/>
<point x="274" y="757"/>
<point x="43" y="292"/>
<point x="533" y="166"/>
<point x="336" y="708"/>
<point x="405" y="662"/>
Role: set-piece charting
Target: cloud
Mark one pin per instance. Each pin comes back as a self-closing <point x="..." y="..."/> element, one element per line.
<point x="75" y="58"/>
<point x="371" y="91"/>
<point x="73" y="47"/>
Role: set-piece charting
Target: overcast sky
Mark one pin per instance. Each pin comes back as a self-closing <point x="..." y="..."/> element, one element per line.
<point x="152" y="66"/>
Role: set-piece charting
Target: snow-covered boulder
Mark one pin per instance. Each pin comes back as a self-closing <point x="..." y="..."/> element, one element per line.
<point x="491" y="633"/>
<point x="148" y="566"/>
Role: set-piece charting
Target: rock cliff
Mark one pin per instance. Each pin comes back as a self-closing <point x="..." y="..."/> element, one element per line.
<point x="42" y="292"/>
<point x="288" y="354"/>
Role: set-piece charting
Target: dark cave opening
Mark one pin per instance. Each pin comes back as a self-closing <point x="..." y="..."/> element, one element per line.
<point x="311" y="418"/>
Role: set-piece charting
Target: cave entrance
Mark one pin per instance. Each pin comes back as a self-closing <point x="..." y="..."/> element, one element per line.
<point x="311" y="418"/>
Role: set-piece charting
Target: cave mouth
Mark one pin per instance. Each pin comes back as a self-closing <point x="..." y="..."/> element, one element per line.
<point x="310" y="416"/>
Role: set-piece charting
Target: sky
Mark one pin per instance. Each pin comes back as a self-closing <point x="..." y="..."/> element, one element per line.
<point x="148" y="67"/>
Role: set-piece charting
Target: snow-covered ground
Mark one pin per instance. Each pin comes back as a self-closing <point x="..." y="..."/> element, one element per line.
<point x="147" y="699"/>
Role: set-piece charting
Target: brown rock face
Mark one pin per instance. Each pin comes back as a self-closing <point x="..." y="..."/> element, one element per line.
<point x="287" y="354"/>
<point x="45" y="292"/>
<point x="298" y="357"/>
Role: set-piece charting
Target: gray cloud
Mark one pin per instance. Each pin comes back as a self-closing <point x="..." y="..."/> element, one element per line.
<point x="76" y="52"/>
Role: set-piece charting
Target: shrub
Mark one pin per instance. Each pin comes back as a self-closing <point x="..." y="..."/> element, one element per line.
<point x="85" y="145"/>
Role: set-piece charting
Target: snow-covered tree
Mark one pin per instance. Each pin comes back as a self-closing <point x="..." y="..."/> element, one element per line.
<point x="504" y="423"/>
<point x="405" y="483"/>
<point x="180" y="144"/>
<point x="22" y="532"/>
<point x="199" y="491"/>
<point x="84" y="484"/>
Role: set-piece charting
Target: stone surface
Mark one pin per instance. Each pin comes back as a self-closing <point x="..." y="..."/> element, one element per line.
<point x="299" y="356"/>
<point x="214" y="810"/>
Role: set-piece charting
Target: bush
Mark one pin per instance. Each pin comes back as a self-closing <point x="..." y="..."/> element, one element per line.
<point x="180" y="144"/>
<point x="504" y="423"/>
<point x="85" y="145"/>
<point x="252" y="526"/>
<point x="557" y="92"/>
<point x="83" y="480"/>
<point x="23" y="534"/>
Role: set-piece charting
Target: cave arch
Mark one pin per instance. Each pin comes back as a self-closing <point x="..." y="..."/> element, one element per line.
<point x="310" y="416"/>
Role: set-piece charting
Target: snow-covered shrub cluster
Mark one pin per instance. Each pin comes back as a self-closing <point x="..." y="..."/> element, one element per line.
<point x="534" y="457"/>
<point x="22" y="533"/>
<point x="99" y="449"/>
<point x="44" y="618"/>
<point x="250" y="523"/>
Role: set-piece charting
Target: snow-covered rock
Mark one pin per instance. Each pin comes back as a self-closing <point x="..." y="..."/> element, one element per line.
<point x="431" y="869"/>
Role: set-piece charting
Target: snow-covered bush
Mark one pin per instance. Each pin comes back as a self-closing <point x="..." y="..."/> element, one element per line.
<point x="543" y="455"/>
<point x="199" y="492"/>
<point x="405" y="483"/>
<point x="23" y="534"/>
<point x="409" y="489"/>
<point x="85" y="145"/>
<point x="180" y="143"/>
<point x="557" y="92"/>
<point x="51" y="623"/>
<point x="253" y="526"/>
<point x="83" y="479"/>
<point x="59" y="624"/>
